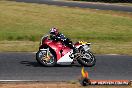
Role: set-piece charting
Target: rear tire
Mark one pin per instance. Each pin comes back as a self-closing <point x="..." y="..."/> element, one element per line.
<point x="89" y="61"/>
<point x="40" y="58"/>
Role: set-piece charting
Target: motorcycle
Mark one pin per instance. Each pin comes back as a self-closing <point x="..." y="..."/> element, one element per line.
<point x="53" y="52"/>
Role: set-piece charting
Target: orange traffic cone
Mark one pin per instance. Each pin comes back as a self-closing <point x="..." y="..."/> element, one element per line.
<point x="84" y="79"/>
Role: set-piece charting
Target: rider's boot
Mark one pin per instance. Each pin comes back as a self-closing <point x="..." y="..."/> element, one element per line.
<point x="75" y="50"/>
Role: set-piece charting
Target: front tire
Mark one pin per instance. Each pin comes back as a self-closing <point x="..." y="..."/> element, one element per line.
<point x="88" y="59"/>
<point x="40" y="57"/>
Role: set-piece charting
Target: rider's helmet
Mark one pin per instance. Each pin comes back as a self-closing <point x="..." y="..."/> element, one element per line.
<point x="54" y="31"/>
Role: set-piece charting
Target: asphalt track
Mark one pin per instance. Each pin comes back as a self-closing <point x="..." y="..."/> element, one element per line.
<point x="81" y="5"/>
<point x="23" y="66"/>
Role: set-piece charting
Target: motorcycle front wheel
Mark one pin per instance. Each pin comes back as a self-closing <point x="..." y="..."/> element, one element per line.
<point x="87" y="59"/>
<point x="42" y="59"/>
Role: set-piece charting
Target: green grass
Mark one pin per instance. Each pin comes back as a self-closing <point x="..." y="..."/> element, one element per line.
<point x="18" y="46"/>
<point x="28" y="22"/>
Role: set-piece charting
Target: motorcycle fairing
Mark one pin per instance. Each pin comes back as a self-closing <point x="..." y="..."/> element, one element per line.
<point x="66" y="59"/>
<point x="57" y="47"/>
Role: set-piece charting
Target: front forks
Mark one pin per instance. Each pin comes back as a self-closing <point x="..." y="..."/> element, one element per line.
<point x="45" y="53"/>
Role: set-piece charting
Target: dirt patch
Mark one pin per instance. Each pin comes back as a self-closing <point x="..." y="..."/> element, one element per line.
<point x="39" y="85"/>
<point x="55" y="85"/>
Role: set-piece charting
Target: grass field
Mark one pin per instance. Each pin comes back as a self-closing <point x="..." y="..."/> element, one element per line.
<point x="23" y="24"/>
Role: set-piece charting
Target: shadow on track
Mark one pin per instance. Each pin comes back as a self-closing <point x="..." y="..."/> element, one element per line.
<point x="36" y="64"/>
<point x="29" y="63"/>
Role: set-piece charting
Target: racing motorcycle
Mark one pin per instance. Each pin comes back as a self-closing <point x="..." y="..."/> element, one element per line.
<point x="53" y="52"/>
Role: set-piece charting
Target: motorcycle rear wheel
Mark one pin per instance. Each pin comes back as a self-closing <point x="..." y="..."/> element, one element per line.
<point x="88" y="61"/>
<point x="41" y="59"/>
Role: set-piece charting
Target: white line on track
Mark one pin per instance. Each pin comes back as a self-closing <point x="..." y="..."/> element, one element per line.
<point x="19" y="81"/>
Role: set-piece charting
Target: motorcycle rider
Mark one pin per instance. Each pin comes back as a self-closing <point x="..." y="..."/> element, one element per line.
<point x="57" y="36"/>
